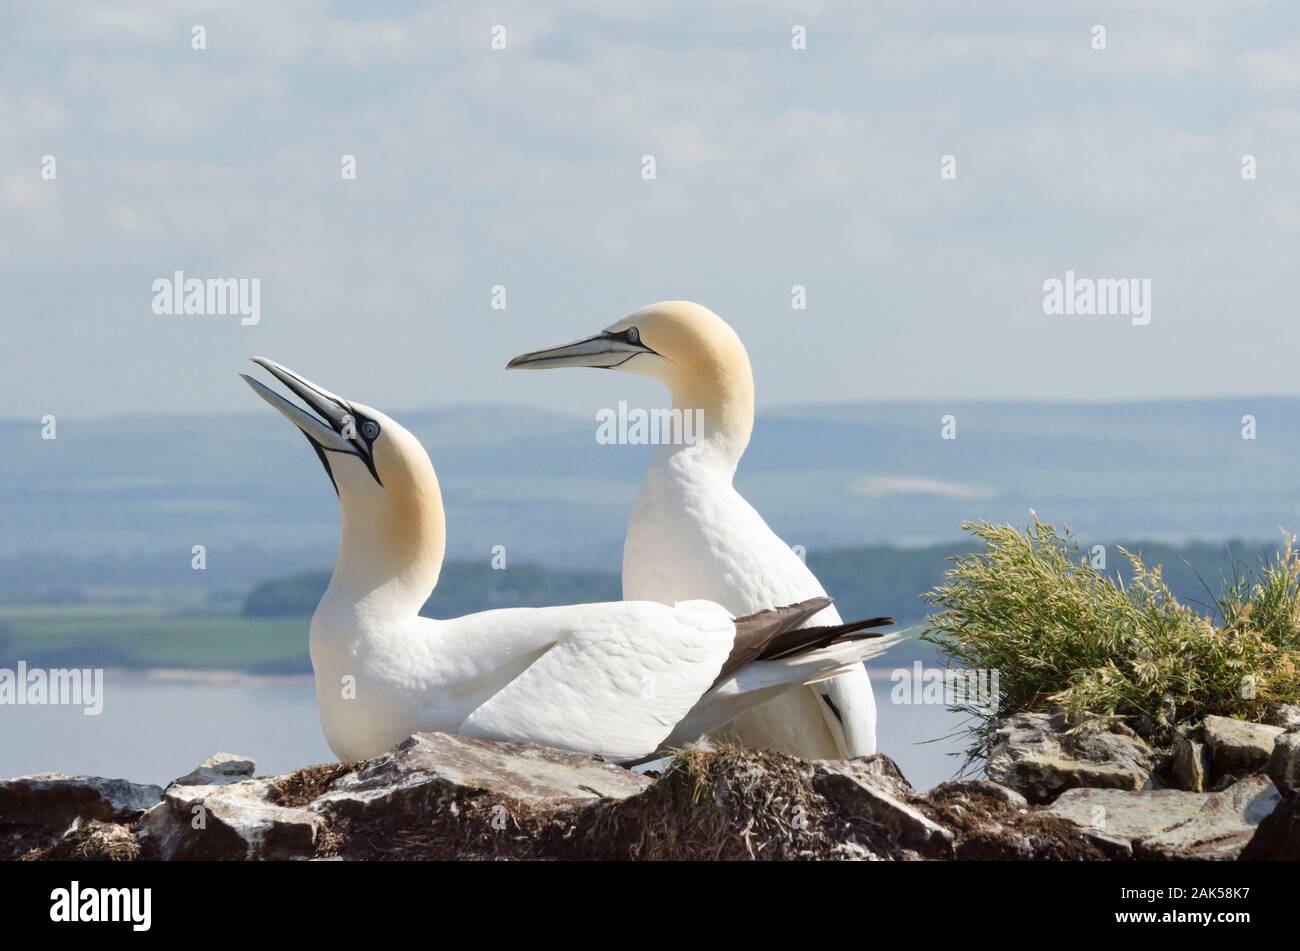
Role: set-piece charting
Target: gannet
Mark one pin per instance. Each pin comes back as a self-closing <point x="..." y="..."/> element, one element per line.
<point x="692" y="535"/>
<point x="621" y="680"/>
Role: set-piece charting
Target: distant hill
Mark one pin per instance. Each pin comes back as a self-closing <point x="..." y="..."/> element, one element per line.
<point x="120" y="502"/>
<point x="889" y="580"/>
<point x="464" y="587"/>
<point x="271" y="636"/>
<point x="863" y="581"/>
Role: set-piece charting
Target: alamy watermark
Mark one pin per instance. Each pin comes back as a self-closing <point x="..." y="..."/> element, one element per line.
<point x="59" y="686"/>
<point x="76" y="904"/>
<point x="1098" y="297"/>
<point x="656" y="427"/>
<point x="944" y="686"/>
<point x="179" y="296"/>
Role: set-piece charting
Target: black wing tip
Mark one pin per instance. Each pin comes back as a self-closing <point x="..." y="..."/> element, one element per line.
<point x="814" y="638"/>
<point x="860" y="630"/>
<point x="775" y="633"/>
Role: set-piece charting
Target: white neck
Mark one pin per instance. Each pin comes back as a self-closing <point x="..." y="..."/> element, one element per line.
<point x="392" y="545"/>
<point x="724" y="395"/>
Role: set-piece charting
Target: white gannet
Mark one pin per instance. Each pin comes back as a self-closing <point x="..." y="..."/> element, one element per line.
<point x="620" y="680"/>
<point x="692" y="535"/>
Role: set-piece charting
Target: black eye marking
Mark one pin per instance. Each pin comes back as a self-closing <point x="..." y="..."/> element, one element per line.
<point x="370" y="429"/>
<point x="632" y="335"/>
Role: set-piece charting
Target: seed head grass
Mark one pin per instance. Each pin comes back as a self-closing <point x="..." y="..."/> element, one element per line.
<point x="1062" y="634"/>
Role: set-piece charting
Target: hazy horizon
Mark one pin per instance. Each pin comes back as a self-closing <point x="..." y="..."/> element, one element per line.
<point x="540" y="482"/>
<point x="572" y="414"/>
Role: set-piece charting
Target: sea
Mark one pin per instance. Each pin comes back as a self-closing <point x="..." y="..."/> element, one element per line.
<point x="157" y="725"/>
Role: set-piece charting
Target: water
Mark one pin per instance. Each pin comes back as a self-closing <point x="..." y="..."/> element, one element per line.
<point x="154" y="728"/>
<point x="919" y="737"/>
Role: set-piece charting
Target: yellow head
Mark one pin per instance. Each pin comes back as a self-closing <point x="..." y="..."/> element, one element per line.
<point x="684" y="345"/>
<point x="394" y="527"/>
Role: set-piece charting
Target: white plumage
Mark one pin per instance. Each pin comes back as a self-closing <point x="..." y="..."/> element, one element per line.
<point x="691" y="531"/>
<point x="615" y="679"/>
<point x="692" y="535"/>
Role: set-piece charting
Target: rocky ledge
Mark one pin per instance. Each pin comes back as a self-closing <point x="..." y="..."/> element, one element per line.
<point x="1053" y="793"/>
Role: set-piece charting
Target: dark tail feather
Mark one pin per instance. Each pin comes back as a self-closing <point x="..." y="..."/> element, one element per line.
<point x="778" y="632"/>
<point x="815" y="638"/>
<point x="755" y="631"/>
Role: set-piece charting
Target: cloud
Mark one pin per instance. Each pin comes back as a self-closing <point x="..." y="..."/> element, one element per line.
<point x="1276" y="69"/>
<point x="877" y="487"/>
<point x="775" y="167"/>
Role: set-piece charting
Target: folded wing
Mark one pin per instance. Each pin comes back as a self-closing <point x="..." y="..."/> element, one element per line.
<point x="618" y="683"/>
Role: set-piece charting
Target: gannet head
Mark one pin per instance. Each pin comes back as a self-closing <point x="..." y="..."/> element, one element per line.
<point x="394" y="528"/>
<point x="684" y="345"/>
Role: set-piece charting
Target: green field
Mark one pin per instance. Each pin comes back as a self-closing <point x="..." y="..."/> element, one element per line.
<point x="99" y="635"/>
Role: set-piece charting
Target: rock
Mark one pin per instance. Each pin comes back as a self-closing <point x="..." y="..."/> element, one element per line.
<point x="436" y="796"/>
<point x="1283" y="766"/>
<point x="234" y="820"/>
<point x="1189" y="765"/>
<point x="1285" y="715"/>
<point x="90" y="840"/>
<point x="1277" y="838"/>
<point x="218" y="770"/>
<point x="1034" y="754"/>
<point x="876" y="769"/>
<point x="36" y="811"/>
<point x="873" y="788"/>
<point x="983" y="787"/>
<point x="1220" y="829"/>
<point x="52" y="800"/>
<point x="1127" y="815"/>
<point x="1223" y="782"/>
<point x="1112" y="846"/>
<point x="449" y="797"/>
<point x="993" y="823"/>
<point x="1237" y="746"/>
<point x="424" y="768"/>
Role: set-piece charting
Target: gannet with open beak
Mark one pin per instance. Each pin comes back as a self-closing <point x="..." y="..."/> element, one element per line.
<point x="621" y="680"/>
<point x="692" y="535"/>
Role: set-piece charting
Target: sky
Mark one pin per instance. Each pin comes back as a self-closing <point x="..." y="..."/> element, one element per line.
<point x="523" y="168"/>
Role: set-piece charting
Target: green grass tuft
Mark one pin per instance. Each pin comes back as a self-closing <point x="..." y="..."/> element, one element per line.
<point x="145" y="636"/>
<point x="1061" y="634"/>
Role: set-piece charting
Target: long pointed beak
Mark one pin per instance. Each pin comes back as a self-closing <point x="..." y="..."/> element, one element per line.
<point x="333" y="431"/>
<point x="605" y="351"/>
<point x="332" y="408"/>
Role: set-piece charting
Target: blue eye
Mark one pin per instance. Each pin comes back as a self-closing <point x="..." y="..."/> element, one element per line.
<point x="370" y="429"/>
<point x="632" y="335"/>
